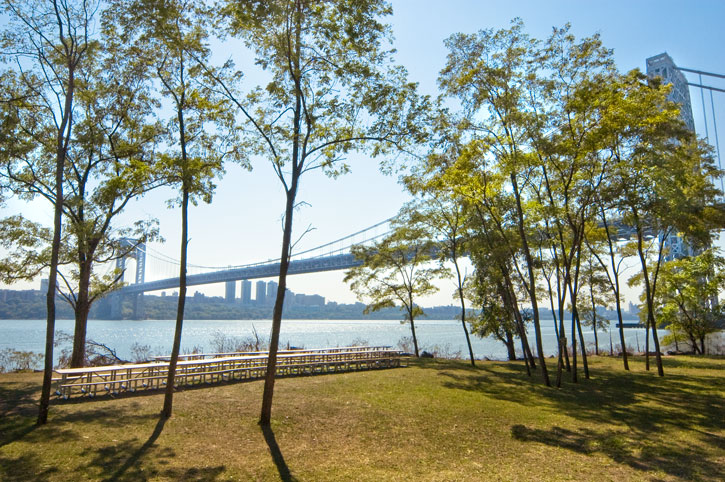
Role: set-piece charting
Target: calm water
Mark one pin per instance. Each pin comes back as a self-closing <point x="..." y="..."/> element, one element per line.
<point x="442" y="335"/>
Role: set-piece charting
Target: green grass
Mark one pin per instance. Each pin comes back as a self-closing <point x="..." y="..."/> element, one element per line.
<point x="436" y="420"/>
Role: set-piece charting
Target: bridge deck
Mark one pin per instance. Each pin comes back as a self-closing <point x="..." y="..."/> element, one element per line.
<point x="116" y="379"/>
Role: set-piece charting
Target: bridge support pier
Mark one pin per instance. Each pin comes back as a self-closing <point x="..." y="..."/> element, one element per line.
<point x="116" y="302"/>
<point x="139" y="313"/>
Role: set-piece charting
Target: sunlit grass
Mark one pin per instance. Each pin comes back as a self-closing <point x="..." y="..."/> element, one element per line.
<point x="436" y="420"/>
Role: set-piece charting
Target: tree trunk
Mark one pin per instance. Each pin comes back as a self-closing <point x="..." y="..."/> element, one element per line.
<point x="594" y="319"/>
<point x="583" y="345"/>
<point x="573" y="349"/>
<point x="463" y="310"/>
<point x="625" y="360"/>
<point x="50" y="296"/>
<point x="269" y="379"/>
<point x="617" y="297"/>
<point x="646" y="344"/>
<point x="170" y="378"/>
<point x="63" y="138"/>
<point x="81" y="308"/>
<point x="510" y="348"/>
<point x="520" y="327"/>
<point x="532" y="282"/>
<point x="650" y="304"/>
<point x="415" y="339"/>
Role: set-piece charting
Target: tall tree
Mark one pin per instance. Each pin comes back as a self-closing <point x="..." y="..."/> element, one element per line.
<point x="489" y="73"/>
<point x="333" y="89"/>
<point x="568" y="105"/>
<point x="200" y="134"/>
<point x="48" y="41"/>
<point x="665" y="176"/>
<point x="612" y="271"/>
<point x="446" y="222"/>
<point x="469" y="178"/>
<point x="108" y="163"/>
<point x="395" y="272"/>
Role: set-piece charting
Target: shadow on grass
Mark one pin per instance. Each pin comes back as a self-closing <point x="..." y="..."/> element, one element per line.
<point x="672" y="424"/>
<point x="125" y="461"/>
<point x="650" y="454"/>
<point x="26" y="467"/>
<point x="133" y="459"/>
<point x="277" y="457"/>
<point x="19" y="412"/>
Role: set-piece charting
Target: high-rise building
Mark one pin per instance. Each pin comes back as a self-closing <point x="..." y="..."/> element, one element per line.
<point x="271" y="292"/>
<point x="229" y="291"/>
<point x="261" y="295"/>
<point x="289" y="298"/>
<point x="246" y="292"/>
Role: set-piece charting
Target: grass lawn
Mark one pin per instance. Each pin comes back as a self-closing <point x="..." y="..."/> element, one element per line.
<point x="435" y="420"/>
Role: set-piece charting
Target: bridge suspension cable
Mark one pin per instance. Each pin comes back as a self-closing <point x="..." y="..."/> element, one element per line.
<point x="712" y="89"/>
<point x="322" y="249"/>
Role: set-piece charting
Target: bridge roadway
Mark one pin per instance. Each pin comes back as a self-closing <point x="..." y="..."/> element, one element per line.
<point x="310" y="265"/>
<point x="267" y="270"/>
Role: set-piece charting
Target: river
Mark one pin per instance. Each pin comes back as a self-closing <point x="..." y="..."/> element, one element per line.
<point x="443" y="336"/>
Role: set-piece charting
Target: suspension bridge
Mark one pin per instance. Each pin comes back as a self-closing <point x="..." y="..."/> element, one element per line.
<point x="331" y="256"/>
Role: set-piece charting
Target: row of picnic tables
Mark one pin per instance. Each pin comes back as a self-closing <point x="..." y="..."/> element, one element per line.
<point x="193" y="369"/>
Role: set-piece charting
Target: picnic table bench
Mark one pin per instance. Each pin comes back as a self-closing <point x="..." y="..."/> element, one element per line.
<point x="115" y="379"/>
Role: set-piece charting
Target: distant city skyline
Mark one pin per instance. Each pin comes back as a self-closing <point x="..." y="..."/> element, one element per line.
<point x="242" y="225"/>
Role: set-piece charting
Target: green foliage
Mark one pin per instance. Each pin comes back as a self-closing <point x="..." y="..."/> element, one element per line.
<point x="26" y="243"/>
<point x="171" y="38"/>
<point x="333" y="86"/>
<point x="688" y="297"/>
<point x="395" y="271"/>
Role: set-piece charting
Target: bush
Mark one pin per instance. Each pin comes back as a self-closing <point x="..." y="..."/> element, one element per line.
<point x="14" y="360"/>
<point x="223" y="343"/>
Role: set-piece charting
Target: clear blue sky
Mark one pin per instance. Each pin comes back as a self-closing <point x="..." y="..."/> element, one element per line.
<point x="243" y="223"/>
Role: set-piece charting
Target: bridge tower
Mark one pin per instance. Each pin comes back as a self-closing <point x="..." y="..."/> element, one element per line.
<point x="663" y="66"/>
<point x="138" y="253"/>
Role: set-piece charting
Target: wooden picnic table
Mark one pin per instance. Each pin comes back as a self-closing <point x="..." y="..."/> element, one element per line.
<point x="115" y="379"/>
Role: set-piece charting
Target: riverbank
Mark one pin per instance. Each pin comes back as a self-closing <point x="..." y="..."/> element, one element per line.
<point x="436" y="420"/>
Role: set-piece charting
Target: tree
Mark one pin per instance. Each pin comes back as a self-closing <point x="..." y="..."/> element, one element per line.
<point x="467" y="175"/>
<point x="596" y="284"/>
<point x="395" y="271"/>
<point x="108" y="163"/>
<point x="200" y="134"/>
<point x="665" y="175"/>
<point x="489" y="73"/>
<point x="48" y="42"/>
<point x="332" y="90"/>
<point x="489" y="291"/>
<point x="688" y="292"/>
<point x="617" y="255"/>
<point x="446" y="222"/>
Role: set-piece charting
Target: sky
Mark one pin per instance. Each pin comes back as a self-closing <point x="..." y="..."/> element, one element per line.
<point x="243" y="223"/>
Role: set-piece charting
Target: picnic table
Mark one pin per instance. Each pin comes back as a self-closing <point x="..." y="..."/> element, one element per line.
<point x="116" y="379"/>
